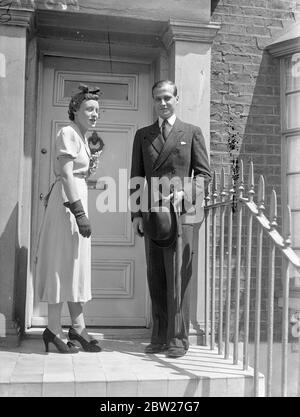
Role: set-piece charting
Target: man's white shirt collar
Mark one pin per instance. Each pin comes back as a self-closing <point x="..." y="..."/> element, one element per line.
<point x="171" y="120"/>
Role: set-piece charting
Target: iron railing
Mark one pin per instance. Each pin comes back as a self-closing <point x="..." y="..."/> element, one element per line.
<point x="224" y="207"/>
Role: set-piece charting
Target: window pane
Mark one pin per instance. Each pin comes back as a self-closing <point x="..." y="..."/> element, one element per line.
<point x="296" y="228"/>
<point x="293" y="146"/>
<point x="294" y="273"/>
<point x="293" y="72"/>
<point x="293" y="110"/>
<point x="293" y="191"/>
<point x="108" y="91"/>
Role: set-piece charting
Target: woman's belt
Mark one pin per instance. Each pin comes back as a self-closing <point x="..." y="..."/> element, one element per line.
<point x="75" y="174"/>
<point x="82" y="175"/>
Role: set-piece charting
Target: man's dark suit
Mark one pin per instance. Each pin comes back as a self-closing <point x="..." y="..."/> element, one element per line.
<point x="183" y="153"/>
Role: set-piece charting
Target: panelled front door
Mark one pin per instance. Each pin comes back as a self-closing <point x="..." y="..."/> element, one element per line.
<point x="118" y="261"/>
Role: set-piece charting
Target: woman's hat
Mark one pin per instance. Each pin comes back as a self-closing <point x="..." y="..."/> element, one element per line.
<point x="160" y="223"/>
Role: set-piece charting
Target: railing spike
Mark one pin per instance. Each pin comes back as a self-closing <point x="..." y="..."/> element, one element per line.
<point x="207" y="196"/>
<point x="287" y="222"/>
<point x="222" y="182"/>
<point x="214" y="187"/>
<point x="273" y="210"/>
<point x="261" y="194"/>
<point x="222" y="185"/>
<point x="231" y="186"/>
<point x="241" y="178"/>
<point x="251" y="191"/>
<point x="251" y="176"/>
<point x="209" y="187"/>
<point x="241" y="172"/>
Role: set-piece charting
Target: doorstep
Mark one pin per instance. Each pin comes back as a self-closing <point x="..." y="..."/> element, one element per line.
<point x="121" y="369"/>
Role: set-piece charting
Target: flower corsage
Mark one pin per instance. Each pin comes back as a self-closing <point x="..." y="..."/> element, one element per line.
<point x="96" y="145"/>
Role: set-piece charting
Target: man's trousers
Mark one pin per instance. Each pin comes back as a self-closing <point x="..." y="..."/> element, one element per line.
<point x="161" y="275"/>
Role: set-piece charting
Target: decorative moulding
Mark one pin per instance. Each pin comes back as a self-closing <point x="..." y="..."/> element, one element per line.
<point x="284" y="48"/>
<point x="189" y="31"/>
<point x="123" y="287"/>
<point x="20" y="17"/>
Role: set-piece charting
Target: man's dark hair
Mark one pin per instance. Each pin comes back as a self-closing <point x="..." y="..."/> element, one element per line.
<point x="161" y="83"/>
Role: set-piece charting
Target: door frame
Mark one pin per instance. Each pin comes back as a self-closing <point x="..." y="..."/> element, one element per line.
<point x="50" y="48"/>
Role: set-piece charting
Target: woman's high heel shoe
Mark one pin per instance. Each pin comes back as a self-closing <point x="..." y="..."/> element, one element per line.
<point x="91" y="346"/>
<point x="49" y="337"/>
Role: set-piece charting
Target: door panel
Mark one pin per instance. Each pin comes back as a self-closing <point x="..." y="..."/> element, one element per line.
<point x="119" y="288"/>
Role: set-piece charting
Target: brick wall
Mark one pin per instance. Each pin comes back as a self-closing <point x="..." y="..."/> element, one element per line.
<point x="245" y="96"/>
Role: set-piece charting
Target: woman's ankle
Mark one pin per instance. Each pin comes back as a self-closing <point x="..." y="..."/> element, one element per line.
<point x="81" y="330"/>
<point x="57" y="331"/>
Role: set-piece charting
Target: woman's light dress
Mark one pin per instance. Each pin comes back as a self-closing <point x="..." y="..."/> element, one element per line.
<point x="63" y="263"/>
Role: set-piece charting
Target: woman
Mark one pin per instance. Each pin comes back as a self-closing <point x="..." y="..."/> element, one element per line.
<point x="63" y="265"/>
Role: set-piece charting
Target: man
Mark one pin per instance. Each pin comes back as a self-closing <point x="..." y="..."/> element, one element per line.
<point x="174" y="151"/>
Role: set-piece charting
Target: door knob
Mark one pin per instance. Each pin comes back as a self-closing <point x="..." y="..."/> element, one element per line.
<point x="41" y="196"/>
<point x="44" y="150"/>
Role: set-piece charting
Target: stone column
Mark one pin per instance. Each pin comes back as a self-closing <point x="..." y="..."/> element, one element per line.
<point x="13" y="44"/>
<point x="188" y="44"/>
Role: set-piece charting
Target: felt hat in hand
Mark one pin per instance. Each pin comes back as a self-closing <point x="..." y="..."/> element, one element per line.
<point x="160" y="223"/>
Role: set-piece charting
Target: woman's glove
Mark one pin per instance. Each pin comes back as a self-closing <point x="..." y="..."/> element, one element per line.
<point x="82" y="221"/>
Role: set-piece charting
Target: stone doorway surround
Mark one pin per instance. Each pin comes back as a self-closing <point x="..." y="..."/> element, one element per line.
<point x="173" y="36"/>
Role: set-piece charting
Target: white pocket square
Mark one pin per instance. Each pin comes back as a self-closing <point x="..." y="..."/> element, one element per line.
<point x="182" y="143"/>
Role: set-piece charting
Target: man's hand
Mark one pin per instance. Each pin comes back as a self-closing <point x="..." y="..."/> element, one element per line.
<point x="176" y="197"/>
<point x="137" y="225"/>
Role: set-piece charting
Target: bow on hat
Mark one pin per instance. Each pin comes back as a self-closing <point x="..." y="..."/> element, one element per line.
<point x="86" y="90"/>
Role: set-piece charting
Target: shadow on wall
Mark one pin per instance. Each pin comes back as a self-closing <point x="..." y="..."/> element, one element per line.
<point x="261" y="141"/>
<point x="13" y="268"/>
<point x="20" y="288"/>
<point x="262" y="144"/>
<point x="253" y="100"/>
<point x="214" y="4"/>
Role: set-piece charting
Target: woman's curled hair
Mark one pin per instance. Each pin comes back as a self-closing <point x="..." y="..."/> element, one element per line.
<point x="85" y="93"/>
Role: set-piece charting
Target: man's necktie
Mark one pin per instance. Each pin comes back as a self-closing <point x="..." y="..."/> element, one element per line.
<point x="165" y="129"/>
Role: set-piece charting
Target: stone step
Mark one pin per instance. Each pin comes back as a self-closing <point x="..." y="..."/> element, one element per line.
<point x="122" y="369"/>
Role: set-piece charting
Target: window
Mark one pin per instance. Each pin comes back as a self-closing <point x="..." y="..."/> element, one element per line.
<point x="287" y="48"/>
<point x="291" y="134"/>
<point x="117" y="91"/>
<point x="109" y="91"/>
<point x="292" y="91"/>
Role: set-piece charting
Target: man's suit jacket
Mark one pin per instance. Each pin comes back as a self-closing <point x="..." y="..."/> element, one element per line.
<point x="182" y="155"/>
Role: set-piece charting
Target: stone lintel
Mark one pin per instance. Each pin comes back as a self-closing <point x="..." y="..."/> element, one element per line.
<point x="189" y="31"/>
<point x="284" y="48"/>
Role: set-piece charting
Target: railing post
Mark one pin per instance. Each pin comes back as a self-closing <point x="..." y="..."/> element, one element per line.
<point x="273" y="225"/>
<point x="238" y="265"/>
<point x="229" y="274"/>
<point x="213" y="278"/>
<point x="222" y="216"/>
<point x="261" y="207"/>
<point x="248" y="269"/>
<point x="285" y="308"/>
<point x="207" y="264"/>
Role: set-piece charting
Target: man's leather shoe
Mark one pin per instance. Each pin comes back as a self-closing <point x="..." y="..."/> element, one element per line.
<point x="155" y="348"/>
<point x="176" y="352"/>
